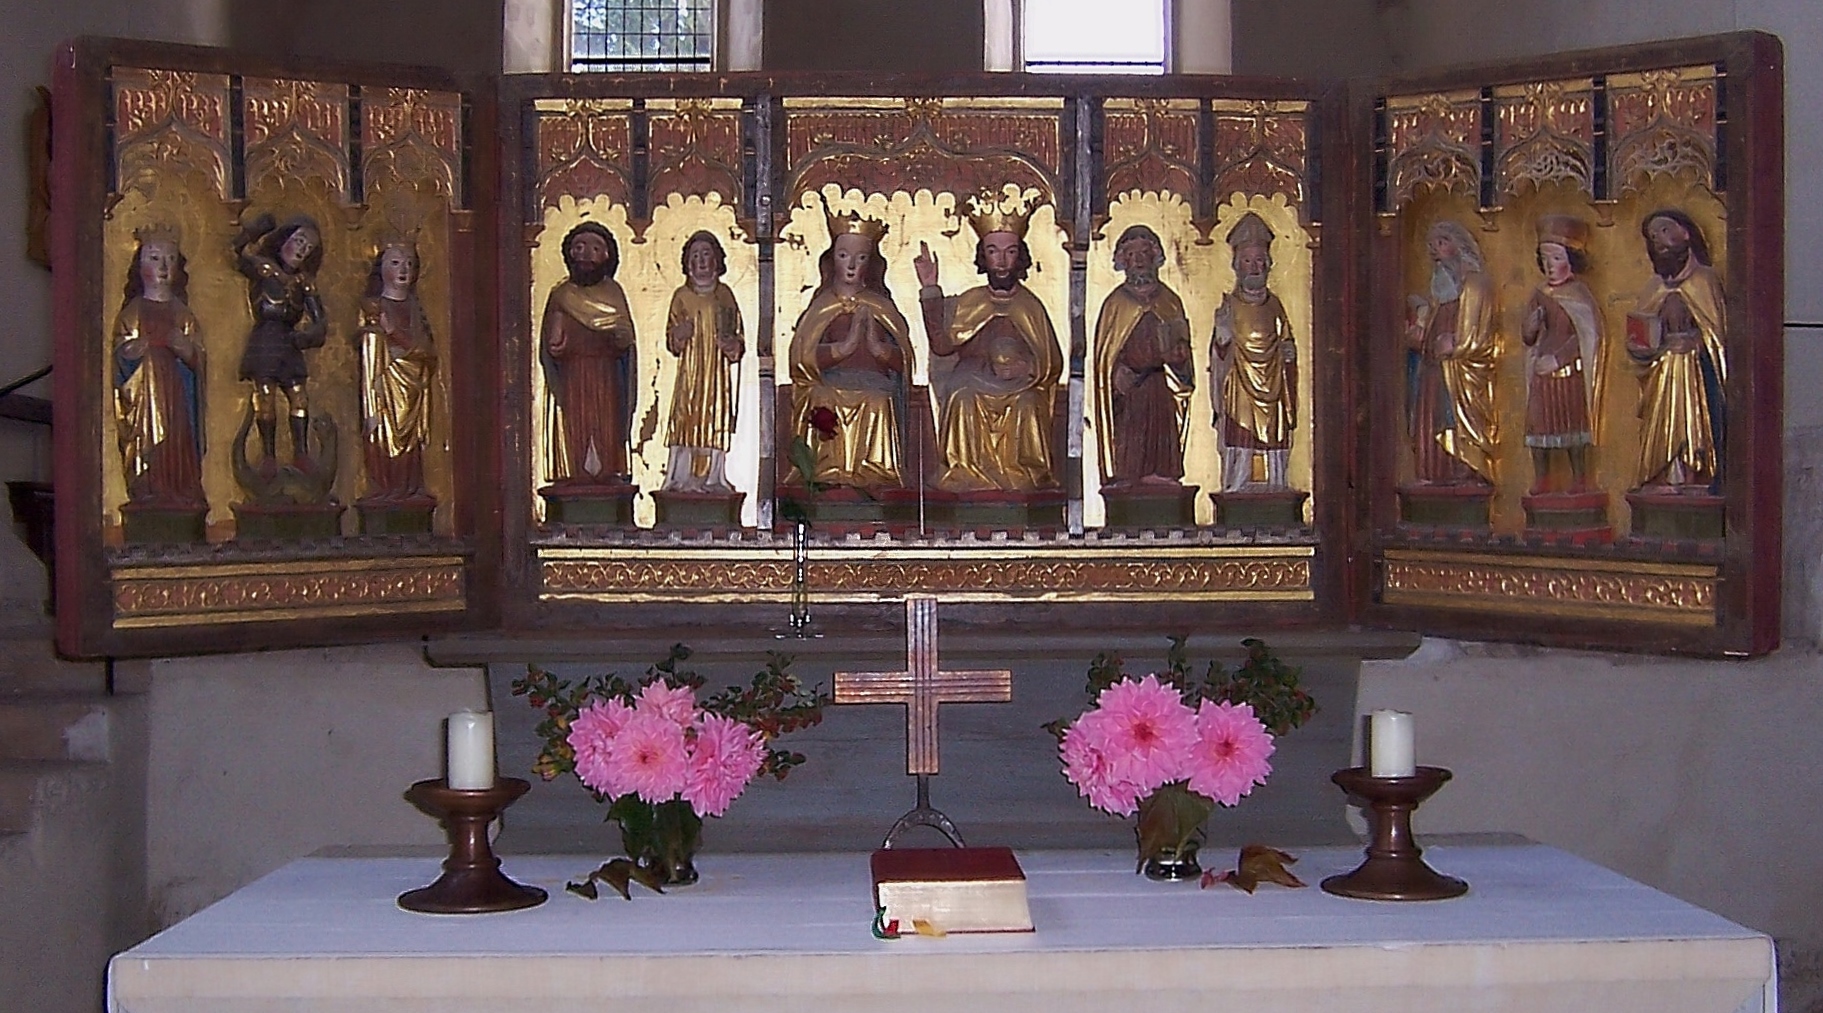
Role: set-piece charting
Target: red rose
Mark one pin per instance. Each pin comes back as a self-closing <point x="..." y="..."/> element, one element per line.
<point x="823" y="420"/>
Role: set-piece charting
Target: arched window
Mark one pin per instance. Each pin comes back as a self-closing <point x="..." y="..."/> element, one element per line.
<point x="636" y="35"/>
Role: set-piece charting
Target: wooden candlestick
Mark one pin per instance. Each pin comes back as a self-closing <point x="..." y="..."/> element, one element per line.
<point x="472" y="882"/>
<point x="1393" y="870"/>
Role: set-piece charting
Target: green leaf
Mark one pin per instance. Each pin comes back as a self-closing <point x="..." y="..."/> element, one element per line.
<point x="1169" y="818"/>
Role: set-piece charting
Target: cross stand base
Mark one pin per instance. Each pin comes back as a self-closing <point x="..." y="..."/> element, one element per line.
<point x="924" y="815"/>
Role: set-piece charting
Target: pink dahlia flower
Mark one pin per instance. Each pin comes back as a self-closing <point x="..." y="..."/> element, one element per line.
<point x="592" y="736"/>
<point x="675" y="702"/>
<point x="648" y="758"/>
<point x="726" y="755"/>
<point x="1087" y="764"/>
<point x="1231" y="752"/>
<point x="1149" y="731"/>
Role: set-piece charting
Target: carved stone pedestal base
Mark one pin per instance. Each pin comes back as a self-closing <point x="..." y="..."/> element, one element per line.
<point x="589" y="504"/>
<point x="678" y="509"/>
<point x="148" y="525"/>
<point x="1149" y="506"/>
<point x="1569" y="518"/>
<point x="1665" y="513"/>
<point x="396" y="517"/>
<point x="286" y="522"/>
<point x="1462" y="506"/>
<point x="840" y="505"/>
<point x="999" y="511"/>
<point x="1260" y="508"/>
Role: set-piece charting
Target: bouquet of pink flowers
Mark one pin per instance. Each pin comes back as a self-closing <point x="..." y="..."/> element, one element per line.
<point x="661" y="760"/>
<point x="1169" y="746"/>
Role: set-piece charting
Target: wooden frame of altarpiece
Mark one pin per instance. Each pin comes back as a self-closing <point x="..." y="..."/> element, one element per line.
<point x="473" y="527"/>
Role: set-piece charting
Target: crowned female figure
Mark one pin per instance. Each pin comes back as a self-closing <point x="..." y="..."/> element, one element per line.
<point x="850" y="355"/>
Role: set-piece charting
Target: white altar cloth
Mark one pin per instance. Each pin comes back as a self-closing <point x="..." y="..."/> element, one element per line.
<point x="1540" y="931"/>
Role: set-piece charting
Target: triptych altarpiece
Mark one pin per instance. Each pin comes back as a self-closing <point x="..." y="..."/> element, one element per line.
<point x="358" y="352"/>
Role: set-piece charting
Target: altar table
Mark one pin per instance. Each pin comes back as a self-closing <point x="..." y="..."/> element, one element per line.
<point x="1540" y="931"/>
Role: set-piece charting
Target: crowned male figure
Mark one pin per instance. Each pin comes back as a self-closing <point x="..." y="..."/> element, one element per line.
<point x="995" y="417"/>
<point x="1452" y="363"/>
<point x="586" y="347"/>
<point x="1677" y="334"/>
<point x="1253" y="362"/>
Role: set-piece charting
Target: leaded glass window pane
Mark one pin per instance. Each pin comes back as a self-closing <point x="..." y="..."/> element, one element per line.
<point x="634" y="35"/>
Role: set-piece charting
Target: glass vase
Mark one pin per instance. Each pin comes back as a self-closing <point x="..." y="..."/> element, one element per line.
<point x="1169" y="832"/>
<point x="1170" y="865"/>
<point x="662" y="839"/>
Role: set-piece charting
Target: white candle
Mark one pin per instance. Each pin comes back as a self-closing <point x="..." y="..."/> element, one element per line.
<point x="471" y="750"/>
<point x="1390" y="748"/>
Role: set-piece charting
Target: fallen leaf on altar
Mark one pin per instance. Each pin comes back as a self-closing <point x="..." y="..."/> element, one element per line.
<point x="1257" y="864"/>
<point x="618" y="874"/>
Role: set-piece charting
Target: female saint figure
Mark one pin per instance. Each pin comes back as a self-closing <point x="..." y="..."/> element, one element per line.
<point x="398" y="365"/>
<point x="158" y="372"/>
<point x="850" y="357"/>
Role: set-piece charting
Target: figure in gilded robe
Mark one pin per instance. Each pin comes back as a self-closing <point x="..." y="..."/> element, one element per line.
<point x="281" y="262"/>
<point x="851" y="356"/>
<point x="1253" y="362"/>
<point x="158" y="379"/>
<point x="1562" y="333"/>
<point x="398" y="367"/>
<point x="1143" y="378"/>
<point x="586" y="346"/>
<point x="996" y="409"/>
<point x="703" y="329"/>
<point x="1452" y="363"/>
<point x="1678" y="336"/>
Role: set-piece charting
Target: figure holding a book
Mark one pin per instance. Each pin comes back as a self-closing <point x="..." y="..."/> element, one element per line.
<point x="1677" y="335"/>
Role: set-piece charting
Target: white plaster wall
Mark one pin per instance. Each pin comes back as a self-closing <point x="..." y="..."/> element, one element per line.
<point x="257" y="759"/>
<point x="32" y="33"/>
<point x="1204" y="31"/>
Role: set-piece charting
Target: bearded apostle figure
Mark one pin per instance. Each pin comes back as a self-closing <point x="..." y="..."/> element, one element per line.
<point x="850" y="357"/>
<point x="1452" y="364"/>
<point x="586" y="347"/>
<point x="703" y="329"/>
<point x="1677" y="335"/>
<point x="996" y="412"/>
<point x="1142" y="369"/>
<point x="1562" y="333"/>
<point x="1253" y="361"/>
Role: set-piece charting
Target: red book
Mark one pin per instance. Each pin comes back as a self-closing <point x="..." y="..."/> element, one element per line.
<point x="952" y="889"/>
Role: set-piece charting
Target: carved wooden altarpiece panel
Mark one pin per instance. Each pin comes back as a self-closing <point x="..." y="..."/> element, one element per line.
<point x="1586" y="438"/>
<point x="576" y="352"/>
<point x="251" y="454"/>
<point x="775" y="169"/>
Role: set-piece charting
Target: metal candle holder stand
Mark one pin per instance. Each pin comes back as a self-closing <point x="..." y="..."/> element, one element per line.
<point x="472" y="882"/>
<point x="1393" y="870"/>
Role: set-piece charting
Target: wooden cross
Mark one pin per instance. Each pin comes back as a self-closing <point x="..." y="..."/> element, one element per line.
<point x="922" y="686"/>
